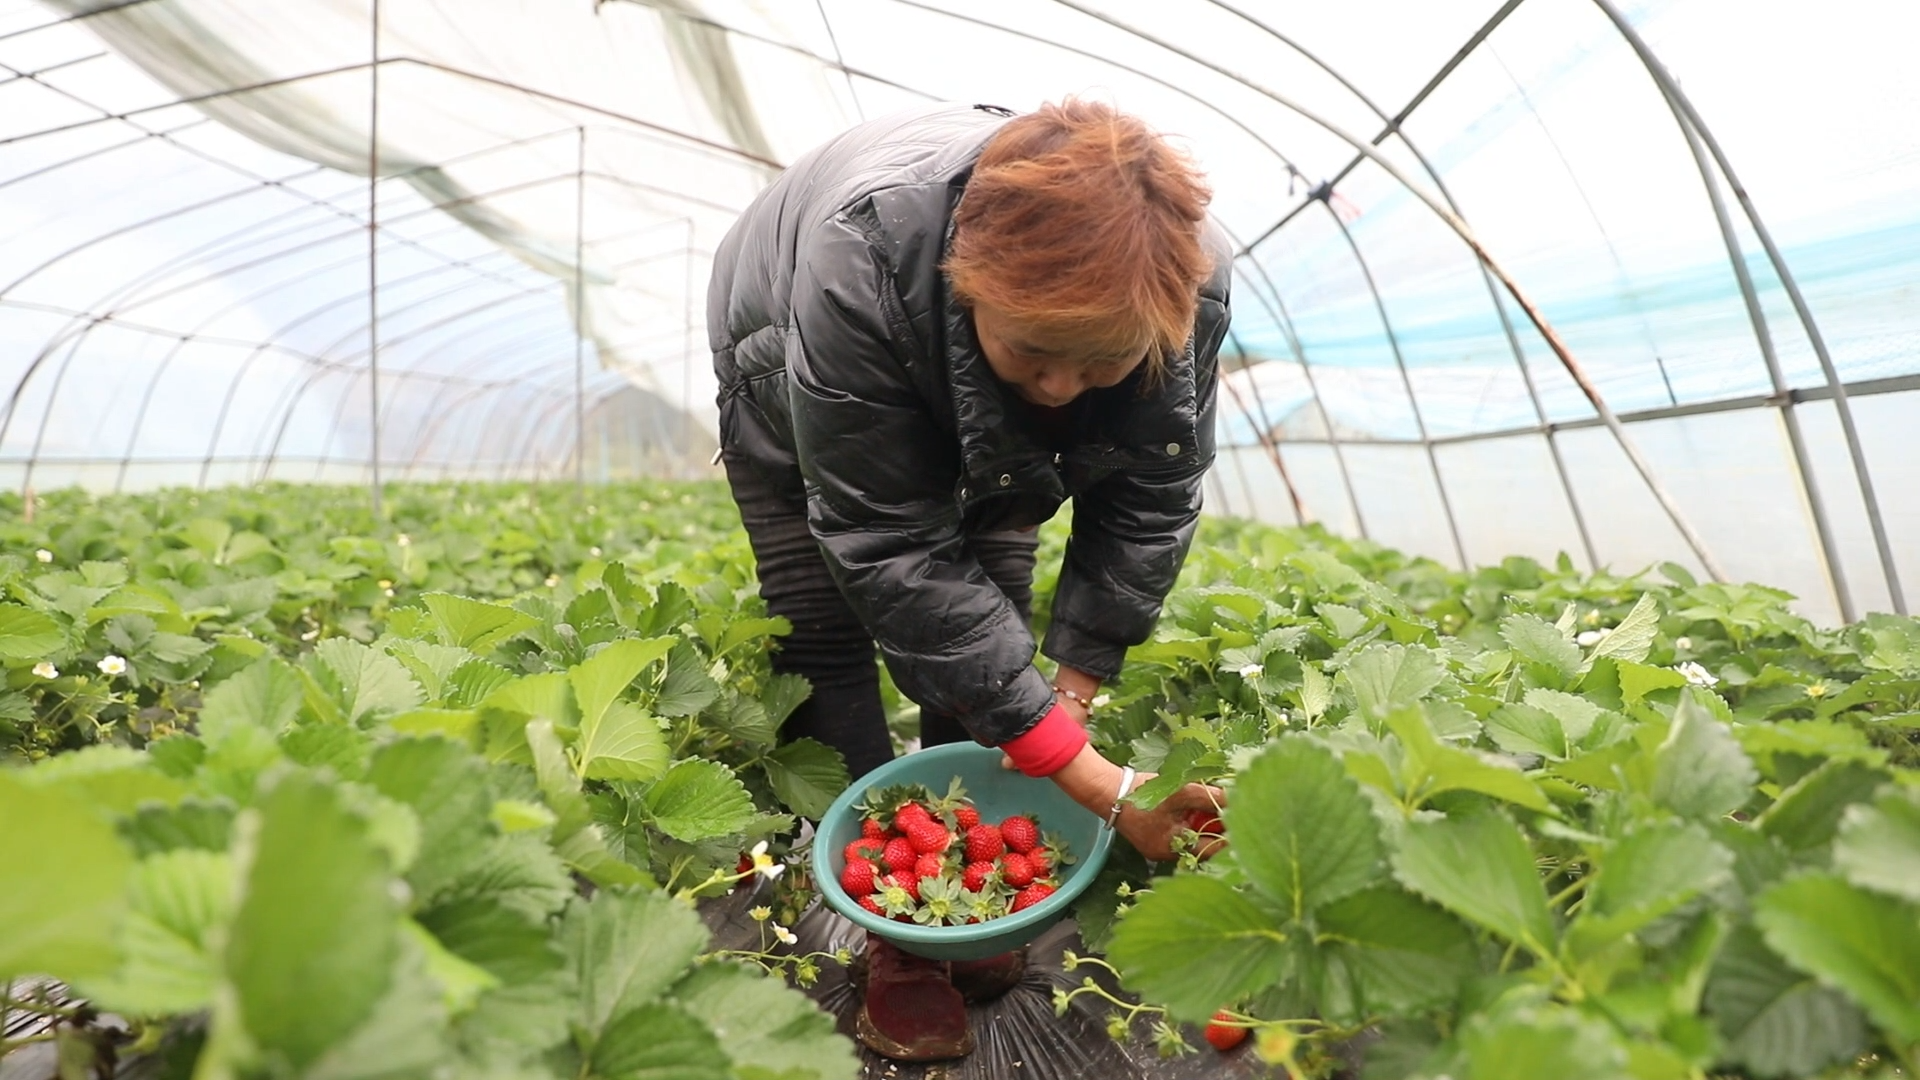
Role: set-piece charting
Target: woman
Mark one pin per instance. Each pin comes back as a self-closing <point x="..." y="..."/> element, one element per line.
<point x="929" y="333"/>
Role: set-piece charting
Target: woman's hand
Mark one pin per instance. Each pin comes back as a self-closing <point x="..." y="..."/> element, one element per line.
<point x="1094" y="783"/>
<point x="1152" y="832"/>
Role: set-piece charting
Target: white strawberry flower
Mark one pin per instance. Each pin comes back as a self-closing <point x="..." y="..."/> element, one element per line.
<point x="1683" y="643"/>
<point x="594" y="551"/>
<point x="1100" y="701"/>
<point x="786" y="936"/>
<point x="764" y="864"/>
<point x="1587" y="638"/>
<point x="1249" y="671"/>
<point x="1697" y="675"/>
<point x="552" y="580"/>
<point x="403" y="540"/>
<point x="112" y="665"/>
<point x="46" y="670"/>
<point x="43" y="555"/>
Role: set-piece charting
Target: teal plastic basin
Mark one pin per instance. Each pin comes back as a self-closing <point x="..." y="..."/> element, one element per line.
<point x="997" y="792"/>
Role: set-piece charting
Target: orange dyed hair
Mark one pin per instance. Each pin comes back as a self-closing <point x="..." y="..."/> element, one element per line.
<point x="1082" y="223"/>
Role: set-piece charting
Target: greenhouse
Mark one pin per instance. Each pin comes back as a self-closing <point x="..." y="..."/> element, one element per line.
<point x="405" y="675"/>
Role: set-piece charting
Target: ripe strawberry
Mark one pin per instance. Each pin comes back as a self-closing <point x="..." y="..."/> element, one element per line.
<point x="905" y="880"/>
<point x="928" y="865"/>
<point x="1015" y="870"/>
<point x="873" y="830"/>
<point x="974" y="878"/>
<point x="1206" y="822"/>
<point x="984" y="844"/>
<point x="905" y="818"/>
<point x="863" y="848"/>
<point x="858" y="878"/>
<point x="1042" y="862"/>
<point x="967" y="816"/>
<point x="1020" y="833"/>
<point x="899" y="854"/>
<point x="871" y="905"/>
<point x="1030" y="896"/>
<point x="928" y="836"/>
<point x="1223" y="1034"/>
<point x="744" y="866"/>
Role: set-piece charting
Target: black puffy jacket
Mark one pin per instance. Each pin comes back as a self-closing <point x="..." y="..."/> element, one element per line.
<point x="848" y="371"/>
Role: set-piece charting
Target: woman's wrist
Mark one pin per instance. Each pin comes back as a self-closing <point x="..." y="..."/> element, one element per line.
<point x="1075" y="690"/>
<point x="1090" y="780"/>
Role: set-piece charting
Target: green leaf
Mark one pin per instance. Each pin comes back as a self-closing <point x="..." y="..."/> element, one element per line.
<point x="485" y="932"/>
<point x="1700" y="772"/>
<point x="1648" y="874"/>
<point x="265" y="694"/>
<point x="1385" y="952"/>
<point x="1432" y="768"/>
<point x="1808" y="814"/>
<point x="1388" y="678"/>
<point x="1547" y="1041"/>
<point x="1539" y="641"/>
<point x="699" y="800"/>
<point x="1193" y="944"/>
<point x="519" y="872"/>
<point x="62" y="883"/>
<point x="207" y="826"/>
<point x="622" y="742"/>
<point x="1639" y="680"/>
<point x="687" y="688"/>
<point x="1480" y="868"/>
<point x="1879" y="844"/>
<point x="1301" y="828"/>
<point x="178" y="899"/>
<point x="1774" y="1020"/>
<point x="472" y="683"/>
<point x="1632" y="639"/>
<point x="806" y="775"/>
<point x="28" y="637"/>
<point x="331" y="746"/>
<point x="474" y="624"/>
<point x="461" y="981"/>
<point x="545" y="695"/>
<point x="659" y="1042"/>
<point x="446" y="786"/>
<point x="1862" y="943"/>
<point x="1524" y="729"/>
<point x="770" y="1032"/>
<point x="371" y="682"/>
<point x="112" y="779"/>
<point x="747" y="631"/>
<point x="312" y="946"/>
<point x="625" y="949"/>
<point x="1575" y="715"/>
<point x="783" y="694"/>
<point x="599" y="681"/>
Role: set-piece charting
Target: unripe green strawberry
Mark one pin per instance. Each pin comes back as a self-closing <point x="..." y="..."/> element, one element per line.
<point x="1020" y="833"/>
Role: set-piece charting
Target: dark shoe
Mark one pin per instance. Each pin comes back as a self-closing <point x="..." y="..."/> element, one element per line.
<point x="984" y="980"/>
<point x="911" y="1011"/>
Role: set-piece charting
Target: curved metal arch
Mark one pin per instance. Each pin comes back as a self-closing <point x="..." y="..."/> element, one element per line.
<point x="1690" y="119"/>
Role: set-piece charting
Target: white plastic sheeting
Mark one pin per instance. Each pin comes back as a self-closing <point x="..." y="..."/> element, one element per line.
<point x="188" y="292"/>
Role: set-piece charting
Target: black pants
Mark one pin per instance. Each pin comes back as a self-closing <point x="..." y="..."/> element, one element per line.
<point x="829" y="646"/>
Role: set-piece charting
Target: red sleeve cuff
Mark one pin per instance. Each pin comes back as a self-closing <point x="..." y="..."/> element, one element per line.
<point x="1047" y="746"/>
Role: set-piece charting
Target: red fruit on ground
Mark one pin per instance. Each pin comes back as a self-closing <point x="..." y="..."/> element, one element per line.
<point x="1030" y="896"/>
<point x="899" y="854"/>
<point x="865" y="848"/>
<point x="1223" y="1034"/>
<point x="1020" y="833"/>
<point x="984" y="843"/>
<point x="905" y="880"/>
<point x="967" y="816"/>
<point x="928" y="836"/>
<point x="1015" y="870"/>
<point x="928" y="865"/>
<point x="858" y="878"/>
<point x="974" y="878"/>
<point x="873" y="830"/>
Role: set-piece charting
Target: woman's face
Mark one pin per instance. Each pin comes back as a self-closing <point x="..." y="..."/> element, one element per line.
<point x="1041" y="370"/>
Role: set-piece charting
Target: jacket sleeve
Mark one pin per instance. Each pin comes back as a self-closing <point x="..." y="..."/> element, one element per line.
<point x="880" y="478"/>
<point x="1131" y="531"/>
